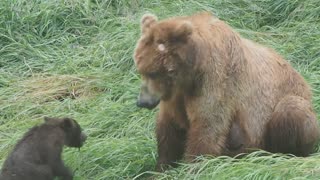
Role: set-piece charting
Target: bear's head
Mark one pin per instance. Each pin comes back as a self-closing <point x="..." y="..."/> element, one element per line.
<point x="163" y="56"/>
<point x="74" y="136"/>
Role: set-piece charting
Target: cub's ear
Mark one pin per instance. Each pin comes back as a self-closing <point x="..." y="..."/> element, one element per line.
<point x="147" y="21"/>
<point x="182" y="31"/>
<point x="48" y="119"/>
<point x="66" y="123"/>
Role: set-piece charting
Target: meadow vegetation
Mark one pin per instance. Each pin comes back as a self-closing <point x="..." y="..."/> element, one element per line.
<point x="74" y="58"/>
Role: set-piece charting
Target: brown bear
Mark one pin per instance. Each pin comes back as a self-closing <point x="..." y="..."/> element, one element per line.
<point x="37" y="156"/>
<point x="219" y="93"/>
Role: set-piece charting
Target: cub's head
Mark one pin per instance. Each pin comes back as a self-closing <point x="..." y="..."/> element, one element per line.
<point x="163" y="57"/>
<point x="74" y="137"/>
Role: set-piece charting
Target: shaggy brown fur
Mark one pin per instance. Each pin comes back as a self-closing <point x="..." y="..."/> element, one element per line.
<point x="37" y="156"/>
<point x="236" y="94"/>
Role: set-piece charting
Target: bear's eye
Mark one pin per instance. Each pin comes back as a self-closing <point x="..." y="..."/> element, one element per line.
<point x="171" y="72"/>
<point x="153" y="75"/>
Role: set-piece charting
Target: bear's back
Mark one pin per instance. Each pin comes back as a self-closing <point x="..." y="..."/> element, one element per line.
<point x="269" y="78"/>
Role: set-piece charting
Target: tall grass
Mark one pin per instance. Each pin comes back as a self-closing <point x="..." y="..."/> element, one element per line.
<point x="74" y="58"/>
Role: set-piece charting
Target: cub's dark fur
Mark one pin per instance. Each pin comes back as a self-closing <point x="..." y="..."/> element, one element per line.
<point x="37" y="156"/>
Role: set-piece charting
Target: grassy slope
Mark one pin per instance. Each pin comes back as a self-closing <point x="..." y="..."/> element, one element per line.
<point x="74" y="58"/>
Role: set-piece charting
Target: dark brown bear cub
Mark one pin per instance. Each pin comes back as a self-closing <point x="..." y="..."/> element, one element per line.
<point x="37" y="156"/>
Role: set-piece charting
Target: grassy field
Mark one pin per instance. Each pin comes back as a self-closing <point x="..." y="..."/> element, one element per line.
<point x="74" y="58"/>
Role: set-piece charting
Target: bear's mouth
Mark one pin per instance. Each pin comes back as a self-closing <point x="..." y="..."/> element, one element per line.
<point x="148" y="104"/>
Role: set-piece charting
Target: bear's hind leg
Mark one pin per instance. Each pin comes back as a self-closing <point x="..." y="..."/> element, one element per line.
<point x="293" y="127"/>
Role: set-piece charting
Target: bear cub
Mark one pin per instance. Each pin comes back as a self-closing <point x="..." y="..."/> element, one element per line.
<point x="37" y="156"/>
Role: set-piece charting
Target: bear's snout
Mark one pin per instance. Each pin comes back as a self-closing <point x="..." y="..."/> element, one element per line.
<point x="150" y="104"/>
<point x="146" y="99"/>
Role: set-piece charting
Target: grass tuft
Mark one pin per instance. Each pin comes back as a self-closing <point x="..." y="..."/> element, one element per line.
<point x="59" y="87"/>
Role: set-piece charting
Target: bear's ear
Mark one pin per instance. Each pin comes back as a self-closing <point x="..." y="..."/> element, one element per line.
<point x="182" y="31"/>
<point x="66" y="123"/>
<point x="147" y="21"/>
<point x="48" y="119"/>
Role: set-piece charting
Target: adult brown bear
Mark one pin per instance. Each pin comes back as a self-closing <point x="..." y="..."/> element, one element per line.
<point x="220" y="93"/>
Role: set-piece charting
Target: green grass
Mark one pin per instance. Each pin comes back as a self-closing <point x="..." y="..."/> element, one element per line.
<point x="74" y="58"/>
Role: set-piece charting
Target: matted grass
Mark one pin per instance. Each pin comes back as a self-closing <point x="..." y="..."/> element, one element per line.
<point x="74" y="58"/>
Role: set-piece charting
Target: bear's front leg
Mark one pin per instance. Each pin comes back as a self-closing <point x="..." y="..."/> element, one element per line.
<point x="62" y="171"/>
<point x="206" y="137"/>
<point x="171" y="132"/>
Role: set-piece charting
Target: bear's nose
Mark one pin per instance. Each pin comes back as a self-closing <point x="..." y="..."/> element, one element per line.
<point x="147" y="104"/>
<point x="141" y="104"/>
